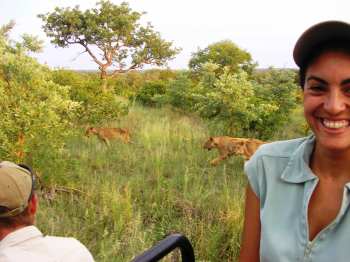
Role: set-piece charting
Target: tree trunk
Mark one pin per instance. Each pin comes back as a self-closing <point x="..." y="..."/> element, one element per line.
<point x="104" y="76"/>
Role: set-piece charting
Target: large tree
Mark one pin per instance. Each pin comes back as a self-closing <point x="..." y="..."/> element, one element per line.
<point x="226" y="54"/>
<point x="111" y="35"/>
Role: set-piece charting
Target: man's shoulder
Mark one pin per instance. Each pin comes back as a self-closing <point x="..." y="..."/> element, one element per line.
<point x="46" y="249"/>
<point x="62" y="240"/>
<point x="69" y="248"/>
<point x="15" y="254"/>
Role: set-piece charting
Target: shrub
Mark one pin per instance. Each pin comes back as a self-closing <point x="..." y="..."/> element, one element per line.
<point x="96" y="107"/>
<point x="150" y="92"/>
<point x="36" y="113"/>
<point x="179" y="92"/>
<point x="277" y="87"/>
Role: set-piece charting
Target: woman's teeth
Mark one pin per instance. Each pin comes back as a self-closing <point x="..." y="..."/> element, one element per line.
<point x="335" y="124"/>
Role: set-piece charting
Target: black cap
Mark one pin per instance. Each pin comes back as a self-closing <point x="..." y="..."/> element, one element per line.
<point x="318" y="34"/>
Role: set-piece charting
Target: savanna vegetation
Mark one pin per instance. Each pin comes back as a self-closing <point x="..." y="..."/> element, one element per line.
<point x="121" y="199"/>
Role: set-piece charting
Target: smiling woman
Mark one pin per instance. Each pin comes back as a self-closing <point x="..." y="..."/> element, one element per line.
<point x="298" y="197"/>
<point x="327" y="101"/>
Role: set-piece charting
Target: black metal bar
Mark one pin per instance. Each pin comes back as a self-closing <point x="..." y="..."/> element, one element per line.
<point x="165" y="246"/>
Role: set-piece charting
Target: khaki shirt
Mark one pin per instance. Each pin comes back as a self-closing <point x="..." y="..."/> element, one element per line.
<point x="28" y="244"/>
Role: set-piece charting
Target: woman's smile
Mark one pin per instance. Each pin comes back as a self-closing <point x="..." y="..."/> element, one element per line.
<point x="327" y="100"/>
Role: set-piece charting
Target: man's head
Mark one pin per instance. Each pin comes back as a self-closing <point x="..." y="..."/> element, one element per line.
<point x="318" y="39"/>
<point x="17" y="199"/>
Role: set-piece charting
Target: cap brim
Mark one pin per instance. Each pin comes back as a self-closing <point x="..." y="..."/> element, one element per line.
<point x="318" y="34"/>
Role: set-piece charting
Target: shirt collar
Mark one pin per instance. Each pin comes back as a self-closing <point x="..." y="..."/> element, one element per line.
<point x="297" y="169"/>
<point x="20" y="235"/>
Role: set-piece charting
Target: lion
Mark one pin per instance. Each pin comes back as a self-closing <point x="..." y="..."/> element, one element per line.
<point x="105" y="134"/>
<point x="228" y="146"/>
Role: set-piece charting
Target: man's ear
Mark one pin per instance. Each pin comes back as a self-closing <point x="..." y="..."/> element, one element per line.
<point x="33" y="204"/>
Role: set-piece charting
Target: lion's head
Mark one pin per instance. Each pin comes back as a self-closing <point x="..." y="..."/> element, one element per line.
<point x="210" y="143"/>
<point x="90" y="130"/>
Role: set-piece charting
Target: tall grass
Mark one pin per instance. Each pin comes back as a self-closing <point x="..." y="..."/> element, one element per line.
<point x="122" y="199"/>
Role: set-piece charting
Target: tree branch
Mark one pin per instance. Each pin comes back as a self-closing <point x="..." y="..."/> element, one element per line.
<point x="120" y="71"/>
<point x="91" y="54"/>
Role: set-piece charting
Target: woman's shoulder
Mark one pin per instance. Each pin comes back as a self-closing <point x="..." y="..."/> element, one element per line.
<point x="276" y="155"/>
<point x="280" y="149"/>
<point x="270" y="161"/>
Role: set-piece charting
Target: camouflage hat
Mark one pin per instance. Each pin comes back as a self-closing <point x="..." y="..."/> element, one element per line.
<point x="15" y="188"/>
<point x="317" y="35"/>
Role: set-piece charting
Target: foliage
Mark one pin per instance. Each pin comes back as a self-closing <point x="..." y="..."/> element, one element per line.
<point x="149" y="92"/>
<point x="112" y="31"/>
<point x="29" y="43"/>
<point x="278" y="87"/>
<point x="96" y="107"/>
<point x="239" y="104"/>
<point x="179" y="92"/>
<point x="36" y="113"/>
<point x="176" y="92"/>
<point x="127" y="84"/>
<point x="130" y="83"/>
<point x="229" y="98"/>
<point x="159" y="74"/>
<point x="6" y="29"/>
<point x="226" y="54"/>
<point x="32" y="43"/>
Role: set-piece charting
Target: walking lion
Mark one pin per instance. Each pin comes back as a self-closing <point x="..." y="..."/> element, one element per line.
<point x="106" y="134"/>
<point x="228" y="146"/>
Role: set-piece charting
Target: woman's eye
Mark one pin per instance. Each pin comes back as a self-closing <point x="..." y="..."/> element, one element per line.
<point x="317" y="88"/>
<point x="347" y="91"/>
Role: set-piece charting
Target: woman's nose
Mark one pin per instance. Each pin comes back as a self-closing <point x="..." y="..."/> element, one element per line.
<point x="335" y="102"/>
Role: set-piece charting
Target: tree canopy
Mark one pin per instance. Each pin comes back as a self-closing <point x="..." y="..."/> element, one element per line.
<point x="225" y="54"/>
<point x="111" y="35"/>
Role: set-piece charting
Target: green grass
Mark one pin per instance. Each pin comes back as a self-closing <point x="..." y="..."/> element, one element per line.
<point x="122" y="199"/>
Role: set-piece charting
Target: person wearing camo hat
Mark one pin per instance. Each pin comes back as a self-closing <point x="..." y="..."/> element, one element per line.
<point x="20" y="239"/>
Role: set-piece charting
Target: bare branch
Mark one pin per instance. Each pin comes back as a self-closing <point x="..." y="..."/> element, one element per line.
<point x="91" y="54"/>
<point x="120" y="71"/>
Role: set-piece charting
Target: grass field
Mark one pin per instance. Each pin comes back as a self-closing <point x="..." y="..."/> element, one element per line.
<point x="122" y="199"/>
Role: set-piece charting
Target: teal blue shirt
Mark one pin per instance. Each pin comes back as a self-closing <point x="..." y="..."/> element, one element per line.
<point x="280" y="176"/>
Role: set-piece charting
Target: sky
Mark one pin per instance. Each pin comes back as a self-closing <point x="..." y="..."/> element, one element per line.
<point x="267" y="29"/>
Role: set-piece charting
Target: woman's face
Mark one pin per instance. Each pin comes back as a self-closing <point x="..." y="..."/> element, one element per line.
<point x="327" y="100"/>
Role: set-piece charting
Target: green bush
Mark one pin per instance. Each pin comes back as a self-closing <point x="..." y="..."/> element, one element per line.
<point x="37" y="114"/>
<point x="179" y="92"/>
<point x="226" y="98"/>
<point x="150" y="92"/>
<point x="277" y="87"/>
<point x="128" y="84"/>
<point x="242" y="105"/>
<point x="96" y="107"/>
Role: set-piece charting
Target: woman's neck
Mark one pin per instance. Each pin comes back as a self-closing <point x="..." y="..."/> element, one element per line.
<point x="331" y="164"/>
